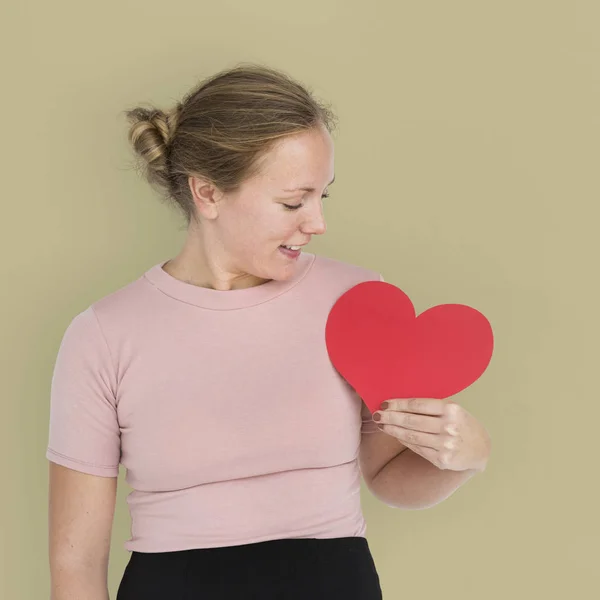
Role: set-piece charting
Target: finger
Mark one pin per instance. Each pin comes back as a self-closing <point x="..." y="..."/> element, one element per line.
<point x="410" y="420"/>
<point x="423" y="406"/>
<point x="454" y="412"/>
<point x="453" y="418"/>
<point x="409" y="436"/>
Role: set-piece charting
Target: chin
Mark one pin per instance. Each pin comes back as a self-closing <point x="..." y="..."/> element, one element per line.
<point x="282" y="274"/>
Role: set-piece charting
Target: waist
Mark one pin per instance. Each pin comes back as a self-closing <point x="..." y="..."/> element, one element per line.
<point x="313" y="503"/>
<point x="291" y="568"/>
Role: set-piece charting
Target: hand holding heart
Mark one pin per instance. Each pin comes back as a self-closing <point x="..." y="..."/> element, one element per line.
<point x="384" y="350"/>
<point x="440" y="431"/>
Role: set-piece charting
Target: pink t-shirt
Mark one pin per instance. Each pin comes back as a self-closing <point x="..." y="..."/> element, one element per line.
<point x="224" y="408"/>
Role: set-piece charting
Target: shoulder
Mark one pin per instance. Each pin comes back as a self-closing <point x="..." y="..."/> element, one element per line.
<point x="345" y="273"/>
<point x="121" y="307"/>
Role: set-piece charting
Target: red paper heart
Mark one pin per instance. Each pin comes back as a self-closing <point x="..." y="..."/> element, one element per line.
<point x="384" y="351"/>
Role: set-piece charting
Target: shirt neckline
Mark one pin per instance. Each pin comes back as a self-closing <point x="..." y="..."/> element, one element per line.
<point x="226" y="299"/>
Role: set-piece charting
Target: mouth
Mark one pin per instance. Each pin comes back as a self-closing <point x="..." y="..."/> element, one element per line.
<point x="293" y="246"/>
<point x="290" y="253"/>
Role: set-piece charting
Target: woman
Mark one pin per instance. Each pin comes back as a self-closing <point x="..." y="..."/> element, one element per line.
<point x="207" y="378"/>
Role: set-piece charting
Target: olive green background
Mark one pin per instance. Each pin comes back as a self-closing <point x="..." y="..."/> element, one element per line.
<point x="466" y="171"/>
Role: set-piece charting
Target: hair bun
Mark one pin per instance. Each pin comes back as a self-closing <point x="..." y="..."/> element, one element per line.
<point x="150" y="133"/>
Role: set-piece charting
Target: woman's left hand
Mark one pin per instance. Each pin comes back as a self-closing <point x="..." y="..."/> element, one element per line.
<point x="441" y="431"/>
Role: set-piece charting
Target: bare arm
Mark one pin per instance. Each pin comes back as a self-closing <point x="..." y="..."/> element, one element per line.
<point x="80" y="515"/>
<point x="377" y="449"/>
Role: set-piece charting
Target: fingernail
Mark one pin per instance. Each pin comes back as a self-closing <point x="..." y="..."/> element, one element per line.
<point x="384" y="405"/>
<point x="377" y="417"/>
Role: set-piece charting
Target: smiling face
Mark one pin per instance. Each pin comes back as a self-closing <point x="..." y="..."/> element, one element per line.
<point x="237" y="243"/>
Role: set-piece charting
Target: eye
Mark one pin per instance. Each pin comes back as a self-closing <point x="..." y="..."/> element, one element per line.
<point x="297" y="206"/>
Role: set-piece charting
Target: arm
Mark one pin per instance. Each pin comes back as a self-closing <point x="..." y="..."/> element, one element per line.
<point x="80" y="515"/>
<point x="400" y="477"/>
<point x="411" y="482"/>
<point x="377" y="449"/>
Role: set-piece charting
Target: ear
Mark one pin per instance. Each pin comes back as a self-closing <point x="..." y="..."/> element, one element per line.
<point x="205" y="195"/>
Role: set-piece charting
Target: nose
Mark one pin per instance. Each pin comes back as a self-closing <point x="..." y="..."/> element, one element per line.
<point x="315" y="223"/>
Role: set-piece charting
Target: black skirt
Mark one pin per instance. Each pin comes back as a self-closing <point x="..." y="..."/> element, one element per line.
<point x="287" y="569"/>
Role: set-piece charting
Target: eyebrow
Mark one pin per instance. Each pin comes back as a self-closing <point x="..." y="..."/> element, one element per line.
<point x="306" y="189"/>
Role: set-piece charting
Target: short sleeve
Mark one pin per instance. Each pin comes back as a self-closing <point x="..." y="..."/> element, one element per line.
<point x="84" y="431"/>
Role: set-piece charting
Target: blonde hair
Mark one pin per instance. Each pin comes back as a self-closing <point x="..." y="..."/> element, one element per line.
<point x="221" y="130"/>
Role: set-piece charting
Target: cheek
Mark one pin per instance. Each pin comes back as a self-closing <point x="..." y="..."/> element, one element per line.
<point x="251" y="230"/>
<point x="277" y="225"/>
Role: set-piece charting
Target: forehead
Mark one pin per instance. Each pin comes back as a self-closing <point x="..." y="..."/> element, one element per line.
<point x="305" y="159"/>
